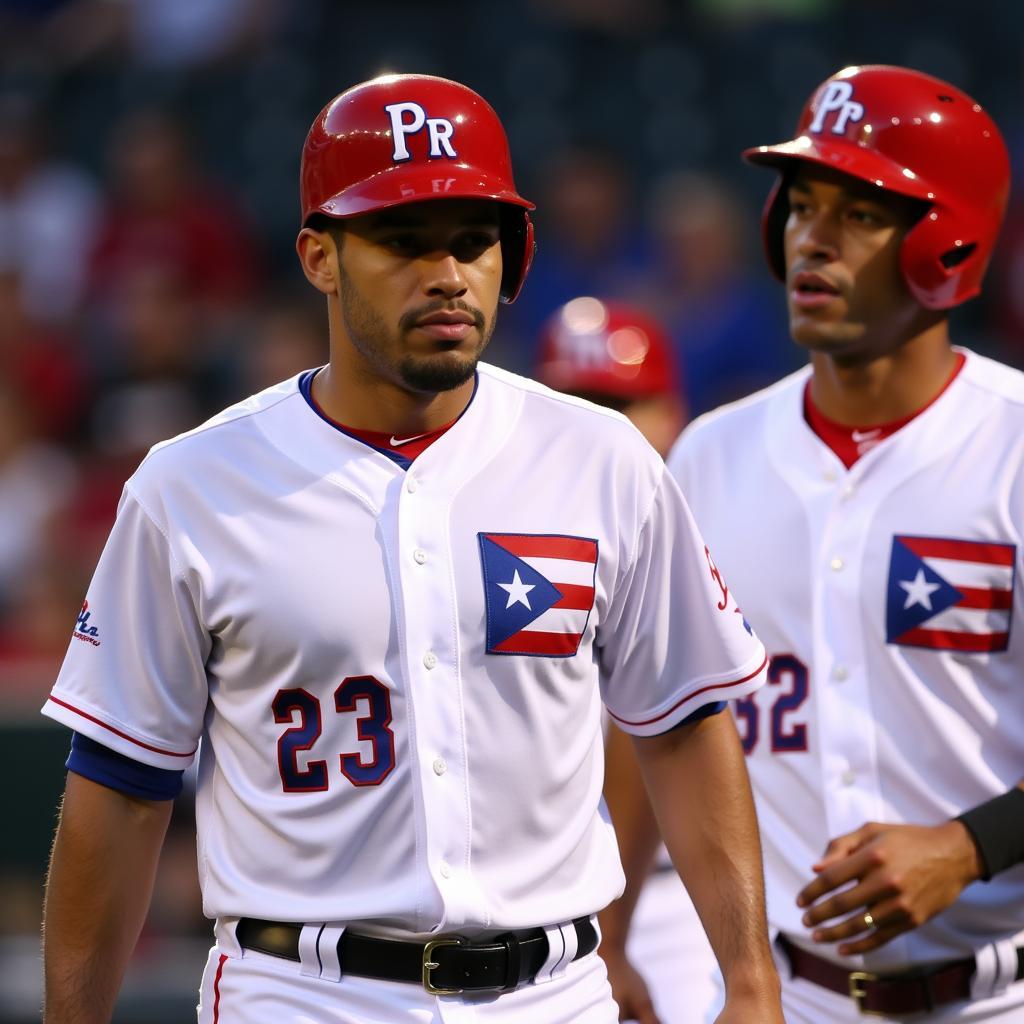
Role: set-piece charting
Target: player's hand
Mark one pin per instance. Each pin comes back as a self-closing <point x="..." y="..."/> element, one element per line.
<point x="903" y="875"/>
<point x="629" y="989"/>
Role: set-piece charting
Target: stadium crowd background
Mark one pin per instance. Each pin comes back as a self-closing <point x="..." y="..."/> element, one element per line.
<point x="148" y="203"/>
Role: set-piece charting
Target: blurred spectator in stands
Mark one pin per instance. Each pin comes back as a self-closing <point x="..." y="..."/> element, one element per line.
<point x="1005" y="306"/>
<point x="286" y="337"/>
<point x="171" y="35"/>
<point x="616" y="17"/>
<point x="726" y="320"/>
<point x="589" y="243"/>
<point x="183" y="33"/>
<point x="763" y="10"/>
<point x="36" y="626"/>
<point x="48" y="215"/>
<point x="160" y="377"/>
<point x="163" y="214"/>
<point x="36" y="479"/>
<point x="43" y="363"/>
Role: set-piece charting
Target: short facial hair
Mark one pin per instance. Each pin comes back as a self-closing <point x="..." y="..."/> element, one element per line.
<point x="422" y="374"/>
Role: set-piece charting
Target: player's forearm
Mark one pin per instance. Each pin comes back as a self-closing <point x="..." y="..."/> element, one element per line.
<point x="97" y="894"/>
<point x="698" y="783"/>
<point x="635" y="829"/>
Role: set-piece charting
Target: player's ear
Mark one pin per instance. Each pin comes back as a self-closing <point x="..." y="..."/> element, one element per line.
<point x="318" y="256"/>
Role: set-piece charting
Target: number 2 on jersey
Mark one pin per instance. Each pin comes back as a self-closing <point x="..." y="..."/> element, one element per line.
<point x="374" y="727"/>
<point x="789" y="674"/>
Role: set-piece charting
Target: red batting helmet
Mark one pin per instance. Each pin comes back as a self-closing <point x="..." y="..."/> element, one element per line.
<point x="606" y="348"/>
<point x="406" y="138"/>
<point x="909" y="133"/>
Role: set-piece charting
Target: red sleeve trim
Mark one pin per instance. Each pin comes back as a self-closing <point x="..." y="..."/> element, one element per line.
<point x="117" y="732"/>
<point x="680" y="703"/>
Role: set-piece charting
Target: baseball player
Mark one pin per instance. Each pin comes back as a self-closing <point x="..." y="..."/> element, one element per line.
<point x="386" y="599"/>
<point x="620" y="357"/>
<point x="869" y="509"/>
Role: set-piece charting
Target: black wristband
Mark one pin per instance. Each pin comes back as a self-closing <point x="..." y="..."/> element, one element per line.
<point x="997" y="828"/>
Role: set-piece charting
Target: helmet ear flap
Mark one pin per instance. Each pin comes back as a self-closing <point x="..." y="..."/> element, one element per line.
<point x="773" y="225"/>
<point x="517" y="249"/>
<point x="940" y="276"/>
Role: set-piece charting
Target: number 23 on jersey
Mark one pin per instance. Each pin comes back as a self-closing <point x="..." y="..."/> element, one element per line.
<point x="364" y="696"/>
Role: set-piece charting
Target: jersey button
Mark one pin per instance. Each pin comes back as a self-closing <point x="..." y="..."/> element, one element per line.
<point x="411" y="484"/>
<point x="849" y="777"/>
<point x="440" y="766"/>
<point x="836" y="565"/>
<point x="430" y="659"/>
<point x="419" y="556"/>
<point x="840" y="673"/>
<point x="829" y="475"/>
<point x="445" y="868"/>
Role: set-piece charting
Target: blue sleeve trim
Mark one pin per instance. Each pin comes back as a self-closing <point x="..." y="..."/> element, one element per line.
<point x="702" y="712"/>
<point x="100" y="764"/>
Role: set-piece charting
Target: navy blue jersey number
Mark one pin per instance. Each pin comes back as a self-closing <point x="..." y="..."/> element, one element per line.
<point x="372" y="726"/>
<point x="789" y="675"/>
<point x="301" y="736"/>
<point x="355" y="694"/>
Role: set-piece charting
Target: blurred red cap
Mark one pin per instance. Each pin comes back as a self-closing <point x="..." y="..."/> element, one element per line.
<point x="590" y="346"/>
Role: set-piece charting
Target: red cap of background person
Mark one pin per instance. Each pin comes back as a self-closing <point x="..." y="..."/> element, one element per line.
<point x="590" y="346"/>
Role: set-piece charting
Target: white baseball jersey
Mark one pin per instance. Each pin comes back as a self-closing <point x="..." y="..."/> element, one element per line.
<point x="888" y="596"/>
<point x="396" y="677"/>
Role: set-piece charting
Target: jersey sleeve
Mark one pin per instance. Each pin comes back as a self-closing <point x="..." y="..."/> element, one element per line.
<point x="107" y="767"/>
<point x="674" y="640"/>
<point x="134" y="675"/>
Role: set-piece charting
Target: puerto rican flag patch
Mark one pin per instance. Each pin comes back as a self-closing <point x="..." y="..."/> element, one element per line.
<point x="539" y="591"/>
<point x="952" y="595"/>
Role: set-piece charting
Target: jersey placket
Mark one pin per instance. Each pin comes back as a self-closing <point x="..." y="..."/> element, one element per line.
<point x="845" y="716"/>
<point x="427" y="595"/>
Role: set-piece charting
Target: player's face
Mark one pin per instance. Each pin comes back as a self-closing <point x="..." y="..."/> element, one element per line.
<point x="846" y="294"/>
<point x="419" y="289"/>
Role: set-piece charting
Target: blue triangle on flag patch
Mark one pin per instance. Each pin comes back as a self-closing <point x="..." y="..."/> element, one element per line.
<point x="916" y="592"/>
<point x="515" y="593"/>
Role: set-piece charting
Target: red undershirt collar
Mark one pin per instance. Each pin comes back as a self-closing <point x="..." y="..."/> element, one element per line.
<point x="409" y="447"/>
<point x="402" y="449"/>
<point x="850" y="443"/>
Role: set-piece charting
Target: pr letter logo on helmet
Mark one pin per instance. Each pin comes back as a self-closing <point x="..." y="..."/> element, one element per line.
<point x="836" y="97"/>
<point x="439" y="130"/>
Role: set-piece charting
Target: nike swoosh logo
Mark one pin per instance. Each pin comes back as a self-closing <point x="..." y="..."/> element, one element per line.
<point x="396" y="443"/>
<point x="865" y="435"/>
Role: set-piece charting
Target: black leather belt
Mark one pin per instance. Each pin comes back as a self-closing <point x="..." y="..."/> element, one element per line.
<point x="444" y="966"/>
<point x="911" y="991"/>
